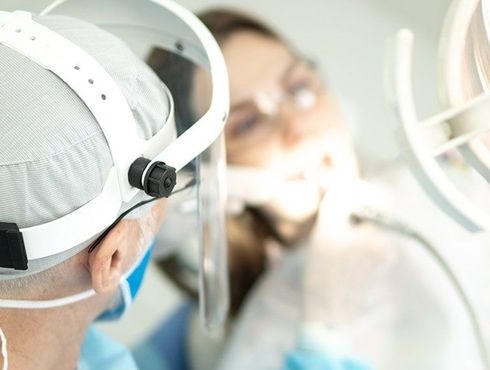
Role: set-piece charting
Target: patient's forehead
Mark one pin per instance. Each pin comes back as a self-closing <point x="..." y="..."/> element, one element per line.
<point x="255" y="62"/>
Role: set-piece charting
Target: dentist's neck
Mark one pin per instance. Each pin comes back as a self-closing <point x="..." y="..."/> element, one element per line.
<point x="44" y="339"/>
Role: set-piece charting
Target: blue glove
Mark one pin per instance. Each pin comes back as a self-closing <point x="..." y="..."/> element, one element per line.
<point x="310" y="355"/>
<point x="302" y="360"/>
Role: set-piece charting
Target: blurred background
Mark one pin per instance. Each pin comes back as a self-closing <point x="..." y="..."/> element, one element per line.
<point x="348" y="39"/>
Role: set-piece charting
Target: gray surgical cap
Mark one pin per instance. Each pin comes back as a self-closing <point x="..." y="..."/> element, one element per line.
<point x="54" y="157"/>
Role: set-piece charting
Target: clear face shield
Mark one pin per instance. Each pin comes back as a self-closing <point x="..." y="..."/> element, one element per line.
<point x="213" y="267"/>
<point x="149" y="25"/>
<point x="183" y="161"/>
<point x="461" y="133"/>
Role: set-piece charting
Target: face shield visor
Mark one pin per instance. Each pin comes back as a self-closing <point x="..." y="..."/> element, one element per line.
<point x="460" y="134"/>
<point x="186" y="164"/>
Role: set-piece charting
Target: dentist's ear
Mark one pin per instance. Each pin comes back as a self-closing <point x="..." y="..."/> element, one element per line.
<point x="106" y="261"/>
<point x="122" y="247"/>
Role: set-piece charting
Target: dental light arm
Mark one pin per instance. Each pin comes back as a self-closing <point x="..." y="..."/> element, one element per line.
<point x="423" y="141"/>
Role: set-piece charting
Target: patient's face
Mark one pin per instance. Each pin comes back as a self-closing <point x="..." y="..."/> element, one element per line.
<point x="279" y="108"/>
<point x="282" y="119"/>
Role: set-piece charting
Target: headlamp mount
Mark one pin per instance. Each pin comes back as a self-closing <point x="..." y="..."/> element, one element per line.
<point x="159" y="180"/>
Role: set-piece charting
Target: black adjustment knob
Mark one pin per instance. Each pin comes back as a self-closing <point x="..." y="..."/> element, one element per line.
<point x="159" y="180"/>
<point x="136" y="172"/>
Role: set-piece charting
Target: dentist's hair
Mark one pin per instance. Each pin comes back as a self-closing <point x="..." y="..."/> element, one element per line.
<point x="33" y="286"/>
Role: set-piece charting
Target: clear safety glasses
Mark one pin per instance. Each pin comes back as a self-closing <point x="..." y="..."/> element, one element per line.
<point x="251" y="122"/>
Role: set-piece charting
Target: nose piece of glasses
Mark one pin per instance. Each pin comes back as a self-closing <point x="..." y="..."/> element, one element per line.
<point x="271" y="105"/>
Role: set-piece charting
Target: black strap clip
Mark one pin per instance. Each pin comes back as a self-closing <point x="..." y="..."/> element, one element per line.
<point x="12" y="249"/>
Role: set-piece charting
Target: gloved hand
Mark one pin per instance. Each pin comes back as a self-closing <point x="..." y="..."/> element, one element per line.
<point x="348" y="267"/>
<point x="312" y="361"/>
<point x="344" y="283"/>
<point x="302" y="360"/>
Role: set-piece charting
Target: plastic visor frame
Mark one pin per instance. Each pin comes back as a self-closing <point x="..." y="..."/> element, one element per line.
<point x="456" y="128"/>
<point x="108" y="104"/>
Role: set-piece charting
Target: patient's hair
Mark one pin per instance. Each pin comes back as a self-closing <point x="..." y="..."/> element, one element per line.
<point x="249" y="232"/>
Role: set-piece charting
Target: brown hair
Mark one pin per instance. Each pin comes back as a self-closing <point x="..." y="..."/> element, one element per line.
<point x="223" y="23"/>
<point x="249" y="232"/>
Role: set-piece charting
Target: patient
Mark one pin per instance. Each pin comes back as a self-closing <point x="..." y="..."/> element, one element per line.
<point x="287" y="142"/>
<point x="283" y="125"/>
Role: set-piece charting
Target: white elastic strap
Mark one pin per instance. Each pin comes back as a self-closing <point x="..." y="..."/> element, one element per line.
<point x="183" y="28"/>
<point x="52" y="303"/>
<point x="90" y="82"/>
<point x="26" y="304"/>
<point x="178" y="154"/>
<point x="200" y="47"/>
<point x="3" y="338"/>
<point x="76" y="227"/>
<point x="87" y="78"/>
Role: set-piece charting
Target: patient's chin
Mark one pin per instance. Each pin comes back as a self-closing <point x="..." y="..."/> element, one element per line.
<point x="293" y="233"/>
<point x="291" y="230"/>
